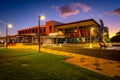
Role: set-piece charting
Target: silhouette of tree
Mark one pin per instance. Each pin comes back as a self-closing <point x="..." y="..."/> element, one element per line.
<point x="116" y="38"/>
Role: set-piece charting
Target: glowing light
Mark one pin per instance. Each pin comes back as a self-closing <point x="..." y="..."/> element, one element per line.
<point x="76" y="30"/>
<point x="53" y="34"/>
<point x="60" y="45"/>
<point x="42" y="17"/>
<point x="90" y="45"/>
<point x="60" y="33"/>
<point x="92" y="28"/>
<point x="9" y="25"/>
<point x="105" y="33"/>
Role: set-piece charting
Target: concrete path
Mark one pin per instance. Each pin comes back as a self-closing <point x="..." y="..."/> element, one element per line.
<point x="107" y="67"/>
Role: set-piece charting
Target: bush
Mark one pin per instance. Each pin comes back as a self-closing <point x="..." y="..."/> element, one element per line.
<point x="115" y="38"/>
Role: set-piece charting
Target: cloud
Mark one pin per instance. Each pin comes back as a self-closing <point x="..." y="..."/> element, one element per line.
<point x="116" y="12"/>
<point x="68" y="10"/>
<point x="108" y="13"/>
<point x="72" y="9"/>
<point x="84" y="7"/>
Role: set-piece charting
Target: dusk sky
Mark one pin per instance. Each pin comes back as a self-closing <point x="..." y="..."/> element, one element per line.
<point x="24" y="13"/>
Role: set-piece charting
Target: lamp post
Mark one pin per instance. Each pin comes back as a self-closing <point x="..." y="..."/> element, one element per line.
<point x="39" y="41"/>
<point x="91" y="29"/>
<point x="7" y="26"/>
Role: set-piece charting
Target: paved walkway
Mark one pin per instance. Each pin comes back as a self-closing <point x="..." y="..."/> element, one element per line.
<point x="107" y="67"/>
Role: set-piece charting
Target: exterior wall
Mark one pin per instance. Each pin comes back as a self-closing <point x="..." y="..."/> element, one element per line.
<point x="49" y="27"/>
<point x="33" y="30"/>
<point x="80" y="31"/>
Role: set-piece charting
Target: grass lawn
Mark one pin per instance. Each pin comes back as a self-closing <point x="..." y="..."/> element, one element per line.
<point x="24" y="64"/>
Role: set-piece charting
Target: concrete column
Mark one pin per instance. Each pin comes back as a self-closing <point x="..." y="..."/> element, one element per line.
<point x="86" y="34"/>
<point x="90" y="34"/>
<point x="23" y="39"/>
<point x="32" y="38"/>
<point x="56" y="39"/>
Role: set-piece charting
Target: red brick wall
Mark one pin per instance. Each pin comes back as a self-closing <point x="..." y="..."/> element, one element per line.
<point x="48" y="24"/>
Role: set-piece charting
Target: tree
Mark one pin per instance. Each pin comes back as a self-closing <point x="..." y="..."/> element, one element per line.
<point x="116" y="38"/>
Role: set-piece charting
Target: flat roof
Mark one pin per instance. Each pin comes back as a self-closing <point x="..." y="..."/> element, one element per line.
<point x="32" y="27"/>
<point x="79" y="22"/>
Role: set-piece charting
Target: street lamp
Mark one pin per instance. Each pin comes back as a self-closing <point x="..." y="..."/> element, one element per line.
<point x="39" y="41"/>
<point x="91" y="29"/>
<point x="7" y="26"/>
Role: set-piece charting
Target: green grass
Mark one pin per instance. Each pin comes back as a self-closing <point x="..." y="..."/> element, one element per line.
<point x="24" y="64"/>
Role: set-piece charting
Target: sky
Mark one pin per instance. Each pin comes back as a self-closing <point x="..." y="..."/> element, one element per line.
<point x="24" y="13"/>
